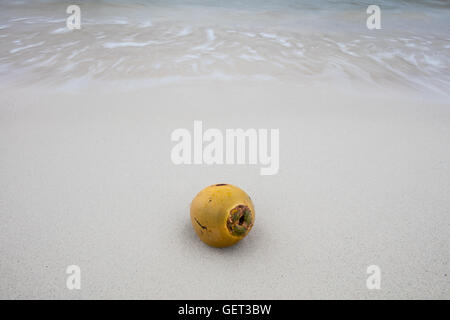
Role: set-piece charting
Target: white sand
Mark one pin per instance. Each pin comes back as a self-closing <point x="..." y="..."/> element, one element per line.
<point x="86" y="179"/>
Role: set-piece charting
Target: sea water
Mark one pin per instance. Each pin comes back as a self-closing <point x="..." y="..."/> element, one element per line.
<point x="159" y="42"/>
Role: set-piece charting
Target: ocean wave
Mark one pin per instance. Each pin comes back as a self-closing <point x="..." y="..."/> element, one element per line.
<point x="179" y="44"/>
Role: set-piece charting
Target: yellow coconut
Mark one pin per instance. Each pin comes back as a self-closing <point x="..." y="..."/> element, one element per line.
<point x="222" y="215"/>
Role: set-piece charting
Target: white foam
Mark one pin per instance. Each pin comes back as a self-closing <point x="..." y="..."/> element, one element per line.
<point x="49" y="61"/>
<point x="281" y="40"/>
<point x="68" y="44"/>
<point x="60" y="30"/>
<point x="345" y="49"/>
<point x="248" y="34"/>
<point x="186" y="57"/>
<point x="284" y="43"/>
<point x="432" y="61"/>
<point x="250" y="49"/>
<point x="32" y="60"/>
<point x="145" y="24"/>
<point x="251" y="58"/>
<point x="118" y="21"/>
<point x="112" y="45"/>
<point x="411" y="59"/>
<point x="268" y="35"/>
<point x="18" y="19"/>
<point x="121" y="59"/>
<point x="221" y="56"/>
<point x="27" y="47"/>
<point x="207" y="46"/>
<point x="185" y="32"/>
<point x="77" y="52"/>
<point x="55" y="20"/>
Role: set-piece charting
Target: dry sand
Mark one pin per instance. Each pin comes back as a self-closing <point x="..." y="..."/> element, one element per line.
<point x="86" y="178"/>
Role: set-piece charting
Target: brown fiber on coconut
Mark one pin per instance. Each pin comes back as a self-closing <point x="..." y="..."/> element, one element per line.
<point x="239" y="220"/>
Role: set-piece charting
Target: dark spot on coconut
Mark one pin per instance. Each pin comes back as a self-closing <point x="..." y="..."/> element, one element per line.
<point x="201" y="226"/>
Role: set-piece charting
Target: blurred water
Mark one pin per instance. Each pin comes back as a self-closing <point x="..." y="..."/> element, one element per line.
<point x="151" y="42"/>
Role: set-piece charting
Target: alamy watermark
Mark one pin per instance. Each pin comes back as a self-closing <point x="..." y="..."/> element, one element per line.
<point x="74" y="20"/>
<point x="373" y="282"/>
<point x="374" y="20"/>
<point x="235" y="146"/>
<point x="74" y="279"/>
